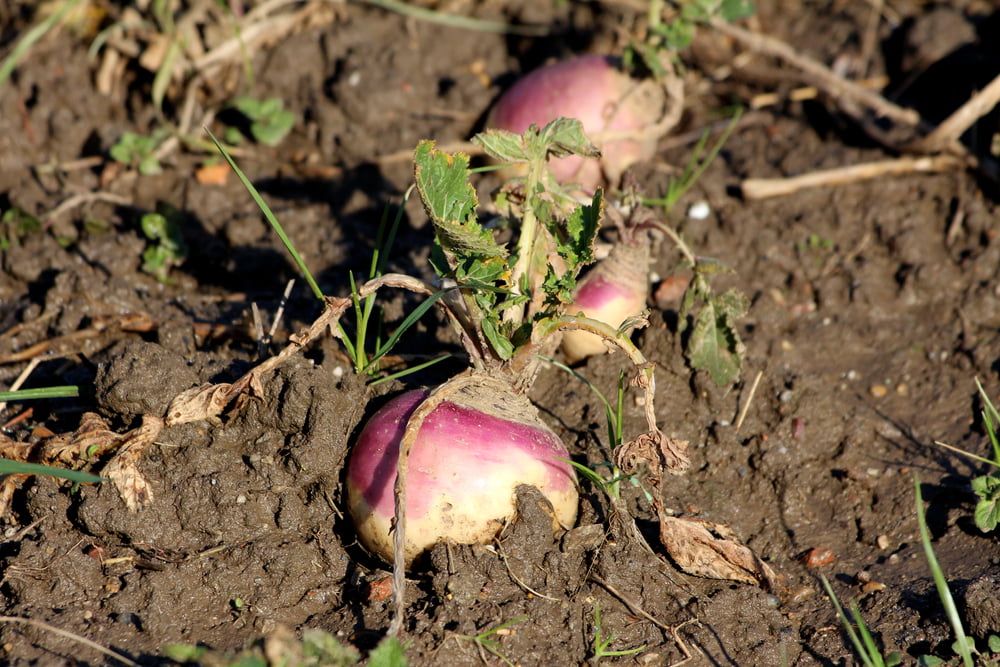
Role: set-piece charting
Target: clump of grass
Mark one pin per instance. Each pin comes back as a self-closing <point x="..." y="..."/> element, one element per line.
<point x="487" y="639"/>
<point x="601" y="645"/>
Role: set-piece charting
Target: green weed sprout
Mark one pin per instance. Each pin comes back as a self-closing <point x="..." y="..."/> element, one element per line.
<point x="487" y="641"/>
<point x="601" y="645"/>
<point x="139" y="151"/>
<point x="362" y="308"/>
<point x="269" y="120"/>
<point x="166" y="247"/>
<point x="865" y="646"/>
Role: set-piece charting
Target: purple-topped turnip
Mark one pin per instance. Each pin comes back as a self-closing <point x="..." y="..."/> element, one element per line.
<point x="624" y="116"/>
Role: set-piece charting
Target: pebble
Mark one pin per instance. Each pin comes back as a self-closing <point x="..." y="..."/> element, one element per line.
<point x="802" y="593"/>
<point x="878" y="390"/>
<point x="354" y="78"/>
<point x="785" y="396"/>
<point x="873" y="587"/>
<point x="700" y="210"/>
<point x="380" y="590"/>
<point x="818" y="557"/>
<point x="882" y="541"/>
<point x="670" y="291"/>
<point x="852" y="375"/>
<point x="903" y="389"/>
<point x="241" y="499"/>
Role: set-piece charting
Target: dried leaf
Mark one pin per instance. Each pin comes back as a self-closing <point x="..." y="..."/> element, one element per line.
<point x="202" y="402"/>
<point x="123" y="469"/>
<point x="711" y="550"/>
<point x="91" y="439"/>
<point x="654" y="453"/>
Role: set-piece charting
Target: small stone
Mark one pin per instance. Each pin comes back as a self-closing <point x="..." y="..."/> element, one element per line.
<point x="241" y="499"/>
<point x="802" y="593"/>
<point x="863" y="577"/>
<point x="873" y="587"/>
<point x="852" y="375"/>
<point x="380" y="590"/>
<point x="785" y="396"/>
<point x="700" y="210"/>
<point x="873" y="472"/>
<point x="338" y="372"/>
<point x="786" y="345"/>
<point x="894" y="559"/>
<point x="818" y="557"/>
<point x="882" y="541"/>
<point x="903" y="389"/>
<point x="878" y="390"/>
<point x="354" y="78"/>
<point x="670" y="291"/>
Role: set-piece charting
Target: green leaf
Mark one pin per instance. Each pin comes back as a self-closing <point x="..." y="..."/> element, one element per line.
<point x="184" y="652"/>
<point x="565" y="136"/>
<point x="894" y="659"/>
<point x="987" y="512"/>
<point x="714" y="345"/>
<point x="993" y="642"/>
<point x="8" y="467"/>
<point x="273" y="129"/>
<point x="734" y="10"/>
<point x="677" y="35"/>
<point x="322" y="648"/>
<point x="581" y="232"/>
<point x="62" y="391"/>
<point x="502" y="145"/>
<point x="388" y="653"/>
<point x="929" y="661"/>
<point x="500" y="343"/>
<point x="450" y="202"/>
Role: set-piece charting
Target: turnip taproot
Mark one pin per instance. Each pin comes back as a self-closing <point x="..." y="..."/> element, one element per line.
<point x="624" y="116"/>
<point x="470" y="455"/>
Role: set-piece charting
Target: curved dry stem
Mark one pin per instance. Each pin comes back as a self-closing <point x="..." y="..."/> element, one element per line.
<point x="462" y="325"/>
<point x="645" y="380"/>
<point x="678" y="241"/>
<point x="413" y="426"/>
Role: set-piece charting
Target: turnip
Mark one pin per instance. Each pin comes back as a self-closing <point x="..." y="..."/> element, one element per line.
<point x="471" y="441"/>
<point x="624" y="116"/>
<point x="469" y="457"/>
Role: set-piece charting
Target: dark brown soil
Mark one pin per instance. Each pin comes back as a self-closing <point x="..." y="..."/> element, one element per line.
<point x="874" y="308"/>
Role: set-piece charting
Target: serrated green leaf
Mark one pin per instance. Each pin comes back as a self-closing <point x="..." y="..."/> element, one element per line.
<point x="993" y="642"/>
<point x="987" y="513"/>
<point x="714" y="346"/>
<point x="450" y="202"/>
<point x="733" y="304"/>
<point x="581" y="232"/>
<point x="502" y="145"/>
<point x="565" y="136"/>
<point x="388" y="653"/>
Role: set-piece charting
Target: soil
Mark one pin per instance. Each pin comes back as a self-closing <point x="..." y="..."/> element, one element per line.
<point x="874" y="308"/>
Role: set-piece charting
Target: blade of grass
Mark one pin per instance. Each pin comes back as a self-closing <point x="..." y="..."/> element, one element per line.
<point x="972" y="456"/>
<point x="65" y="391"/>
<point x="266" y="210"/>
<point x="411" y="369"/>
<point x="410" y="320"/>
<point x="950" y="610"/>
<point x="31" y="37"/>
<point x="8" y="467"/>
<point x="866" y="636"/>
<point x="859" y="648"/>
<point x="456" y="21"/>
<point x="991" y="418"/>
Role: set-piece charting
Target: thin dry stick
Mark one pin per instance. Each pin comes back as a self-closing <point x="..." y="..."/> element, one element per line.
<point x="281" y="310"/>
<point x="820" y="75"/>
<point x="258" y="328"/>
<point x="628" y="602"/>
<point x="69" y="635"/>
<point x="870" y="39"/>
<point x="957" y="123"/>
<point x="809" y="93"/>
<point x="675" y="633"/>
<point x="762" y="188"/>
<point x="86" y="198"/>
<point x="517" y="580"/>
<point x="22" y="378"/>
<point x="746" y="405"/>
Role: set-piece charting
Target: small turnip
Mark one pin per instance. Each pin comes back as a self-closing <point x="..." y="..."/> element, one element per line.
<point x="471" y="453"/>
<point x="625" y="117"/>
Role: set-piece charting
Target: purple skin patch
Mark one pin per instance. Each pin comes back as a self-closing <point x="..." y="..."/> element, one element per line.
<point x="457" y="446"/>
<point x="598" y="293"/>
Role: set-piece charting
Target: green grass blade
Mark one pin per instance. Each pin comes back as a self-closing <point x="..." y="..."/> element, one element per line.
<point x="866" y="636"/>
<point x="411" y="369"/>
<point x="8" y="467"/>
<point x="859" y="648"/>
<point x="266" y="210"/>
<point x="30" y="38"/>
<point x="456" y="21"/>
<point x="991" y="418"/>
<point x="64" y="391"/>
<point x="410" y="320"/>
<point x="950" y="610"/>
